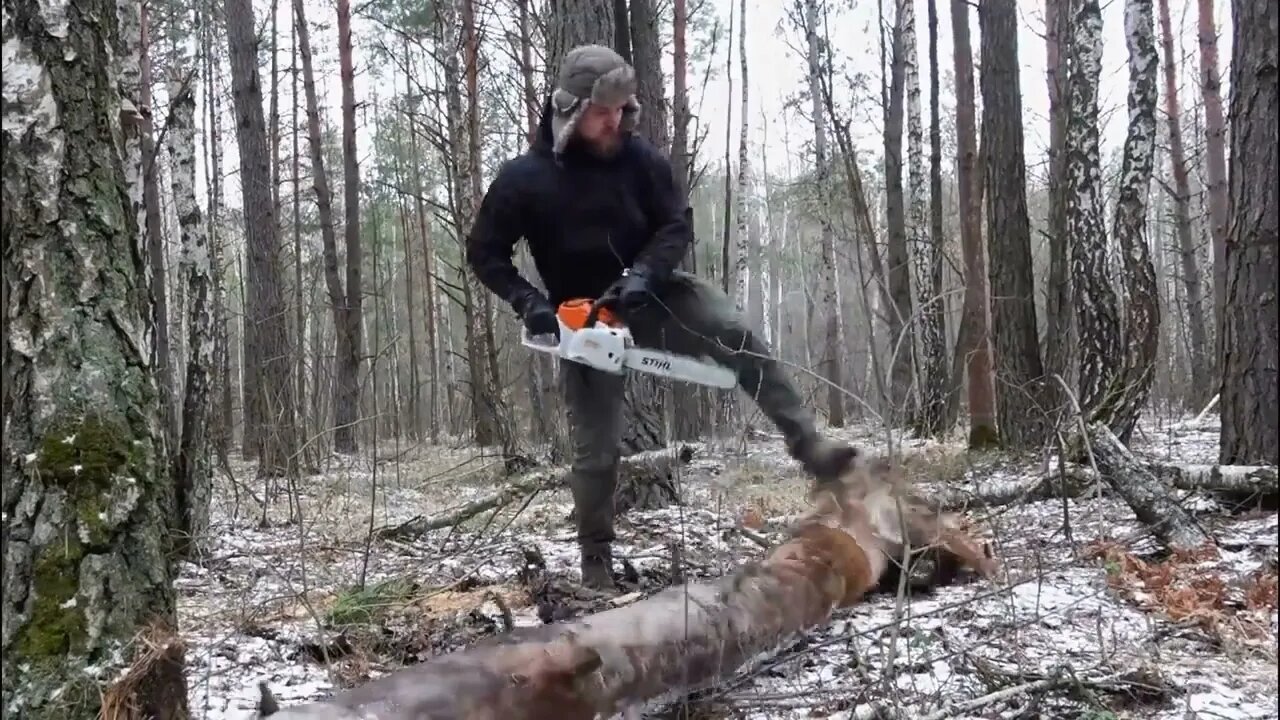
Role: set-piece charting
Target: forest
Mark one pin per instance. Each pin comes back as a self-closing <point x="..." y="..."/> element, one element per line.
<point x="272" y="449"/>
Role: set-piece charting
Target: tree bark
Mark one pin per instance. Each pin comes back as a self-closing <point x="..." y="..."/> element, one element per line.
<point x="1013" y="313"/>
<point x="1251" y="338"/>
<point x="328" y="234"/>
<point x="902" y="367"/>
<point x="678" y="641"/>
<point x="932" y="380"/>
<point x="1097" y="314"/>
<point x="86" y="494"/>
<point x="277" y="443"/>
<point x="1201" y="364"/>
<point x="1131" y="384"/>
<point x="1058" y="342"/>
<point x="192" y="478"/>
<point x="1215" y="165"/>
<point x="346" y="401"/>
<point x="973" y="347"/>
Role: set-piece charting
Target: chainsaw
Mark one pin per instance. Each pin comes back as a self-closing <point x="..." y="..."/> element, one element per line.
<point x="609" y="346"/>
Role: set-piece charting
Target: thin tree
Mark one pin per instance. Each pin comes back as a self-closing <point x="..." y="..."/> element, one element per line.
<point x="1057" y="290"/>
<point x="1201" y="363"/>
<point x="1215" y="163"/>
<point x="973" y="346"/>
<point x="898" y="267"/>
<point x="346" y="406"/>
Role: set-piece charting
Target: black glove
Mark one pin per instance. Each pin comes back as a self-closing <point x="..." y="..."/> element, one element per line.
<point x="538" y="314"/>
<point x="627" y="293"/>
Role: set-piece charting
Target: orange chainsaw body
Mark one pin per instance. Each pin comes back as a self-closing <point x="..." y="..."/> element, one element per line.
<point x="573" y="313"/>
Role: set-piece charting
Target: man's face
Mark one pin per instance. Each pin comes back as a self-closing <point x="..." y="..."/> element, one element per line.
<point x="600" y="127"/>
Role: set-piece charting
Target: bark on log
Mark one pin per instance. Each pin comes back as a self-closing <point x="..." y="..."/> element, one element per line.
<point x="1146" y="494"/>
<point x="635" y="473"/>
<point x="673" y="643"/>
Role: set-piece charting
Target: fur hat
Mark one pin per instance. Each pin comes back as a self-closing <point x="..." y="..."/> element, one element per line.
<point x="591" y="73"/>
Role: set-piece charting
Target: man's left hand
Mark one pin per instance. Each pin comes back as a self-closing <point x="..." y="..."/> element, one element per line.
<point x="625" y="294"/>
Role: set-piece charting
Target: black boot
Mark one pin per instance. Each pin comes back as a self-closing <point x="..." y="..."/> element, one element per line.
<point x="823" y="458"/>
<point x="597" y="568"/>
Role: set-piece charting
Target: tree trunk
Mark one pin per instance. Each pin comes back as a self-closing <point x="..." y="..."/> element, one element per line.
<point x="1251" y="340"/>
<point x="1013" y="311"/>
<point x="267" y="316"/>
<point x="646" y="57"/>
<point x="833" y="353"/>
<point x="155" y="244"/>
<point x="741" y="269"/>
<point x="1058" y="342"/>
<point x="346" y="399"/>
<point x="1097" y="315"/>
<point x="1201" y="386"/>
<point x="428" y="282"/>
<point x="223" y="428"/>
<point x="973" y="346"/>
<point x="328" y="234"/>
<point x="86" y="494"/>
<point x="679" y="641"/>
<point x="300" y="318"/>
<point x="1215" y="166"/>
<point x="927" y="419"/>
<point x="191" y="472"/>
<point x="934" y="319"/>
<point x="1131" y="384"/>
<point x="901" y="346"/>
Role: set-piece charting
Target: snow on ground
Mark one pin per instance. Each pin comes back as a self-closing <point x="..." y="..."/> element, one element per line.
<point x="1086" y="624"/>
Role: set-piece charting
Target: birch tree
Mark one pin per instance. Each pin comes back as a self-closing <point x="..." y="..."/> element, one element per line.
<point x="191" y="472"/>
<point x="87" y="576"/>
<point x="1131" y="383"/>
<point x="1097" y="314"/>
<point x="932" y="379"/>
<point x="741" y="268"/>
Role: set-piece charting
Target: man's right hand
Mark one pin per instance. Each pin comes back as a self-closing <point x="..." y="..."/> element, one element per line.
<point x="539" y="315"/>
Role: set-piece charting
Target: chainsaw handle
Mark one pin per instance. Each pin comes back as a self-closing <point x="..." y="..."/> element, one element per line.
<point x="579" y="313"/>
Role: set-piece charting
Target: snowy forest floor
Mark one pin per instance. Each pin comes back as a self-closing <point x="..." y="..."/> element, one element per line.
<point x="1090" y="622"/>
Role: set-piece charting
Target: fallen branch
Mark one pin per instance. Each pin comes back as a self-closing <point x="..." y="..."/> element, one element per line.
<point x="673" y="643"/>
<point x="1147" y="495"/>
<point x="635" y="470"/>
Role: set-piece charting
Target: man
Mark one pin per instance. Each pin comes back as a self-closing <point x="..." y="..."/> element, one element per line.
<point x="599" y="209"/>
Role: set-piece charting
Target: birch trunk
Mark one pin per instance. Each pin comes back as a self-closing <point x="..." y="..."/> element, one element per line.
<point x="1131" y="384"/>
<point x="191" y="471"/>
<point x="741" y="268"/>
<point x="932" y="380"/>
<point x="1097" y="315"/>
<point x="86" y="493"/>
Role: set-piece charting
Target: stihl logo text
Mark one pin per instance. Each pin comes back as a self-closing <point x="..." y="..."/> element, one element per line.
<point x="655" y="363"/>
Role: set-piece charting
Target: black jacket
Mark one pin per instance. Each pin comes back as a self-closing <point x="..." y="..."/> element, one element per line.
<point x="585" y="219"/>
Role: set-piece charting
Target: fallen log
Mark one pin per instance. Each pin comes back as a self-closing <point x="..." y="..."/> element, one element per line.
<point x="641" y="470"/>
<point x="1147" y="495"/>
<point x="673" y="643"/>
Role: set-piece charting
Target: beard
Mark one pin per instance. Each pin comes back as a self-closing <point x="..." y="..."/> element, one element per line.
<point x="606" y="146"/>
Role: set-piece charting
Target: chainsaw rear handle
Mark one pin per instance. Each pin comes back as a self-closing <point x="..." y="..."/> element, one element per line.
<point x="575" y="313"/>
